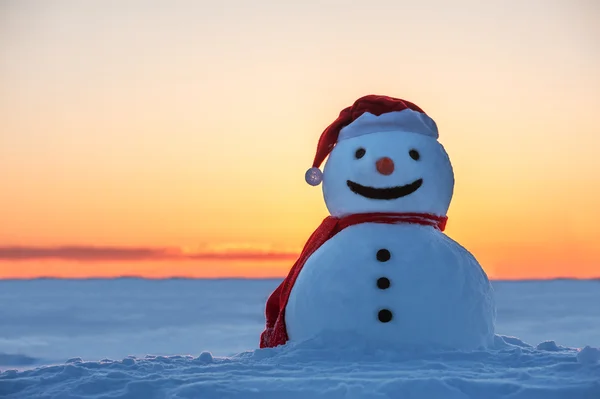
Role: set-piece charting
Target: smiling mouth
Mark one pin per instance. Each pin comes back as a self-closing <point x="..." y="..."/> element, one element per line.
<point x="387" y="193"/>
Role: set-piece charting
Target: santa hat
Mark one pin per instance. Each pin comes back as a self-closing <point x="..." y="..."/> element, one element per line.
<point x="370" y="114"/>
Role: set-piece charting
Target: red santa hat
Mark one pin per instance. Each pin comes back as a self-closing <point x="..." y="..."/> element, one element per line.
<point x="370" y="114"/>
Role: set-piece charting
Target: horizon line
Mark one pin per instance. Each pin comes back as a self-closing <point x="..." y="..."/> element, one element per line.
<point x="137" y="277"/>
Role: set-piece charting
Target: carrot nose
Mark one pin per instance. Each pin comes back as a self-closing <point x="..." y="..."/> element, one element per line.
<point x="385" y="166"/>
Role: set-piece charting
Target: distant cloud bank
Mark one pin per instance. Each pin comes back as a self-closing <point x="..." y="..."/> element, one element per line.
<point x="104" y="254"/>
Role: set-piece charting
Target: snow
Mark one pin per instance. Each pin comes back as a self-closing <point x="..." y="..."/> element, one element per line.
<point x="307" y="372"/>
<point x="433" y="167"/>
<point x="438" y="294"/>
<point x="206" y="357"/>
<point x="131" y="338"/>
<point x="589" y="355"/>
<point x="549" y="346"/>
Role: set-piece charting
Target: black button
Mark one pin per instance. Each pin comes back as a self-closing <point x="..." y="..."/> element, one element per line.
<point x="383" y="283"/>
<point x="383" y="255"/>
<point x="385" y="316"/>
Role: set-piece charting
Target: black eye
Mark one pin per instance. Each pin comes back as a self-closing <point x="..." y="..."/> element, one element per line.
<point x="360" y="153"/>
<point x="414" y="154"/>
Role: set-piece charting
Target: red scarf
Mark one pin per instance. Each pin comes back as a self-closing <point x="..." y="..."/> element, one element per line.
<point x="275" y="333"/>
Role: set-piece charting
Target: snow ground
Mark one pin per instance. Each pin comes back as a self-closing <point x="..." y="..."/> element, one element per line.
<point x="144" y="339"/>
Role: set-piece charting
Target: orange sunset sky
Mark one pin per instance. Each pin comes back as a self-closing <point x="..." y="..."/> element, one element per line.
<point x="171" y="138"/>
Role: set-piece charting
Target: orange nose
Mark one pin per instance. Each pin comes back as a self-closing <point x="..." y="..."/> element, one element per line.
<point x="385" y="166"/>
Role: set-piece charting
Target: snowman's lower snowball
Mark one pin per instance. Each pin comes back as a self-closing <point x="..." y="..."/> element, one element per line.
<point x="426" y="291"/>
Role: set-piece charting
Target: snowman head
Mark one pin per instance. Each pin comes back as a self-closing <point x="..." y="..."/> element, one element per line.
<point x="383" y="157"/>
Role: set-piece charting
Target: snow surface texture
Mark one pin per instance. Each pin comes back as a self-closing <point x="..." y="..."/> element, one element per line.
<point x="103" y="321"/>
<point x="438" y="295"/>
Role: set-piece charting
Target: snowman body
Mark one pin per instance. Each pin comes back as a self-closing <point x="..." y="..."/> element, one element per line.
<point x="399" y="283"/>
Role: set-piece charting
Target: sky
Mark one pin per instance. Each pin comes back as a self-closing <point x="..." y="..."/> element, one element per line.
<point x="171" y="138"/>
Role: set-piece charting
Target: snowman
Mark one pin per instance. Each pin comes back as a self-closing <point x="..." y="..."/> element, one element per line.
<point x="380" y="267"/>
